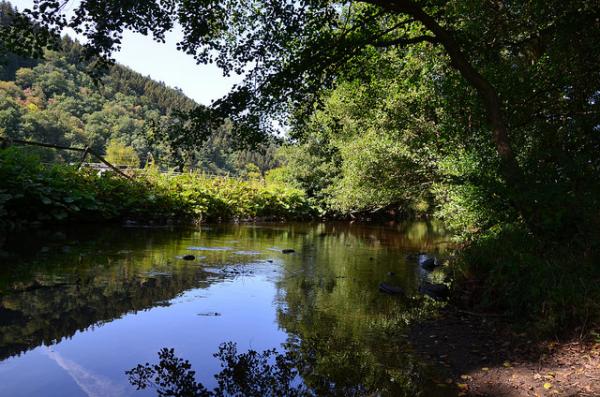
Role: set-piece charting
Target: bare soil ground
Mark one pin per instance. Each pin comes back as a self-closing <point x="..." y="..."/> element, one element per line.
<point x="479" y="355"/>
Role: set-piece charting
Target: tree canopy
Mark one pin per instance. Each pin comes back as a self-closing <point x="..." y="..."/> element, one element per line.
<point x="523" y="74"/>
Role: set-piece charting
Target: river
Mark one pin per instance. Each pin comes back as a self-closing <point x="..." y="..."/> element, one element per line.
<point x="79" y="307"/>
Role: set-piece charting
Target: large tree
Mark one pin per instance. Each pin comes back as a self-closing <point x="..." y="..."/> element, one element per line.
<point x="290" y="50"/>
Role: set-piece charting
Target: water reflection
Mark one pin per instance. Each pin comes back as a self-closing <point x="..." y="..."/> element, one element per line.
<point x="106" y="300"/>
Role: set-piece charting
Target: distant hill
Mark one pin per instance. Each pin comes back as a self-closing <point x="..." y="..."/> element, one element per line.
<point x="54" y="100"/>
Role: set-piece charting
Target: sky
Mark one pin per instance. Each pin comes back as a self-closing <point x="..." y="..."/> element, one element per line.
<point x="162" y="62"/>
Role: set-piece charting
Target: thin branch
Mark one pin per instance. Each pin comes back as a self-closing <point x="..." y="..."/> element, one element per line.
<point x="84" y="150"/>
<point x="406" y="41"/>
<point x="362" y="23"/>
<point x="396" y="26"/>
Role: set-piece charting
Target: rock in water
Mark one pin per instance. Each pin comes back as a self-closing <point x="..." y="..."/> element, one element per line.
<point x="390" y="289"/>
<point x="188" y="257"/>
<point x="288" y="251"/>
<point x="435" y="291"/>
<point x="427" y="262"/>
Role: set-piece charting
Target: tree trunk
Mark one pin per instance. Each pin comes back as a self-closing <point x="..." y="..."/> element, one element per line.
<point x="511" y="170"/>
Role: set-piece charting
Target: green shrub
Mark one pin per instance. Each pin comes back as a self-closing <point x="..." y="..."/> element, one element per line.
<point x="31" y="193"/>
<point x="550" y="287"/>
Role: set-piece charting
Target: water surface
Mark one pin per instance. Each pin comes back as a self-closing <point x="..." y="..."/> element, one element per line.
<point x="78" y="308"/>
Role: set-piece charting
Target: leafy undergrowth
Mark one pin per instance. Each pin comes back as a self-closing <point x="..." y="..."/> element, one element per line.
<point x="32" y="193"/>
<point x="550" y="288"/>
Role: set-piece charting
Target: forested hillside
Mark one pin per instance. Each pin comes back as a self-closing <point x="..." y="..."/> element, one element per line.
<point x="56" y="101"/>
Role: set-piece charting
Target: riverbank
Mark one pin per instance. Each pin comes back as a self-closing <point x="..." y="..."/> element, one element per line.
<point x="481" y="355"/>
<point x="33" y="194"/>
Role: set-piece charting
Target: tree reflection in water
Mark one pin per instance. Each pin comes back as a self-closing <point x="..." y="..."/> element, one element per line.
<point x="246" y="374"/>
<point x="306" y="368"/>
<point x="344" y="337"/>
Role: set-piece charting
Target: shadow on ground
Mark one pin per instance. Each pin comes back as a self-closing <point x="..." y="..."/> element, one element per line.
<point x="481" y="356"/>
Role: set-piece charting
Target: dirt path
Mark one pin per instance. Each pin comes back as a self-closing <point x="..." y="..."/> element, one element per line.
<point x="480" y="356"/>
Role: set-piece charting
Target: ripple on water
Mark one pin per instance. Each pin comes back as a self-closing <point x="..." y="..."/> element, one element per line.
<point x="247" y="252"/>
<point x="209" y="248"/>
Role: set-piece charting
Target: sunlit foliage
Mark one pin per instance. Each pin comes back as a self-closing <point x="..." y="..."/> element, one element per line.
<point x="32" y="193"/>
<point x="119" y="154"/>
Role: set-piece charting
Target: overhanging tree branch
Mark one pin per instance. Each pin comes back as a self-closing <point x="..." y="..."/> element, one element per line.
<point x="487" y="92"/>
<point x="510" y="168"/>
<point x="401" y="41"/>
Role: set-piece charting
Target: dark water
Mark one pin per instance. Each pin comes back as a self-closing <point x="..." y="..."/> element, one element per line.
<point x="78" y="308"/>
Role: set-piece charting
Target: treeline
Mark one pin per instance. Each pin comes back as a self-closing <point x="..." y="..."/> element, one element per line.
<point x="56" y="100"/>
